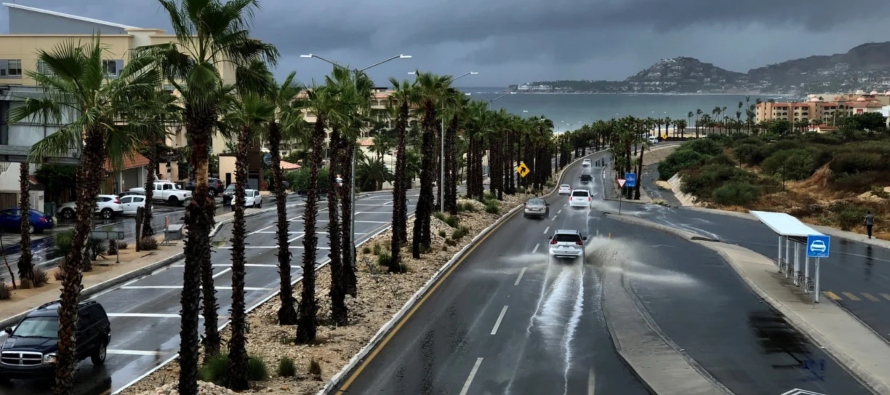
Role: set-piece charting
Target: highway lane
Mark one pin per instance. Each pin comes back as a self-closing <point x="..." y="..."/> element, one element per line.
<point x="505" y="321"/>
<point x="144" y="312"/>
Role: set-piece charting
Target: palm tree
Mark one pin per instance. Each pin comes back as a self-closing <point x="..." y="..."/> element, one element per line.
<point x="430" y="91"/>
<point x="698" y="114"/>
<point x="163" y="112"/>
<point x="247" y="115"/>
<point x="26" y="275"/>
<point x="287" y="122"/>
<point x="319" y="102"/>
<point x="210" y="35"/>
<point x="89" y="108"/>
<point x="400" y="100"/>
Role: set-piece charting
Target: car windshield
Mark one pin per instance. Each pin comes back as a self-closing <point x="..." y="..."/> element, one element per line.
<point x="567" y="238"/>
<point x="38" y="327"/>
<point x="535" y="202"/>
<point x="580" y="193"/>
<point x="230" y="188"/>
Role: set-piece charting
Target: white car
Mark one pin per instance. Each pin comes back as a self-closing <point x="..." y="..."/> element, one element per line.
<point x="132" y="202"/>
<point x="107" y="206"/>
<point x="252" y="198"/>
<point x="580" y="199"/>
<point x="565" y="189"/>
<point x="567" y="243"/>
<point x="586" y="163"/>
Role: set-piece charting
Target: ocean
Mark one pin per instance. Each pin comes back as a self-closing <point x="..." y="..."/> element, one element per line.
<point x="571" y="111"/>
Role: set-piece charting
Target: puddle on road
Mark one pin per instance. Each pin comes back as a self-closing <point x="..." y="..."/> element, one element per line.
<point x="617" y="255"/>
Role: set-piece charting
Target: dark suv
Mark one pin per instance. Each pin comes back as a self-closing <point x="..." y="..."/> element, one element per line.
<point x="215" y="186"/>
<point x="30" y="350"/>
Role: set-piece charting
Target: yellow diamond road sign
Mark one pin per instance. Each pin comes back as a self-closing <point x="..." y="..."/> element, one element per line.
<point x="664" y="136"/>
<point x="522" y="169"/>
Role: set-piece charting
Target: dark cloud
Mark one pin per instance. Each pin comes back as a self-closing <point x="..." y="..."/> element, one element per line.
<point x="510" y="41"/>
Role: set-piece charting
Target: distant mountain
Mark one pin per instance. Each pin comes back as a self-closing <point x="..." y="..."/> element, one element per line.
<point x="864" y="67"/>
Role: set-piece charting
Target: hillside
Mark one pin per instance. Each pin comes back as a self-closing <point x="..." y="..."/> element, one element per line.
<point x="863" y="67"/>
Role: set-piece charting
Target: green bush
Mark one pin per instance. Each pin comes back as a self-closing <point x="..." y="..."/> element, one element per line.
<point x="5" y="291"/>
<point x="40" y="277"/>
<point x="442" y="233"/>
<point x="439" y="215"/>
<point x="314" y="369"/>
<point x="460" y="232"/>
<point x="851" y="217"/>
<point x="749" y="154"/>
<point x="721" y="159"/>
<point x="452" y="221"/>
<point x="678" y="160"/>
<point x="378" y="249"/>
<point x="384" y="259"/>
<point x="492" y="207"/>
<point x="299" y="180"/>
<point x="215" y="369"/>
<point x="736" y="194"/>
<point x="465" y="206"/>
<point x="707" y="146"/>
<point x="366" y="250"/>
<point x="286" y="367"/>
<point x="256" y="369"/>
<point x="703" y="181"/>
<point x="794" y="164"/>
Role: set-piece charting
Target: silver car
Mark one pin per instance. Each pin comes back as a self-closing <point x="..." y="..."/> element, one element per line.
<point x="567" y="243"/>
<point x="537" y="207"/>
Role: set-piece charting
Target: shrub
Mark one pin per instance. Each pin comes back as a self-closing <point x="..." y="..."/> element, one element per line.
<point x="314" y="369"/>
<point x="708" y="146"/>
<point x="452" y="221"/>
<point x="749" y="154"/>
<point x="850" y="217"/>
<point x="879" y="192"/>
<point x="256" y="369"/>
<point x="460" y="232"/>
<point x="736" y="194"/>
<point x="450" y="242"/>
<point x="678" y="160"/>
<point x="702" y="182"/>
<point x="148" y="243"/>
<point x="286" y="367"/>
<point x="378" y="249"/>
<point x="442" y="233"/>
<point x="5" y="291"/>
<point x="96" y="247"/>
<point x="439" y="215"/>
<point x="122" y="245"/>
<point x="492" y="207"/>
<point x="59" y="274"/>
<point x="383" y="259"/>
<point x="465" y="206"/>
<point x="795" y="164"/>
<point x="403" y="267"/>
<point x="721" y="159"/>
<point x="215" y="369"/>
<point x="366" y="250"/>
<point x="40" y="277"/>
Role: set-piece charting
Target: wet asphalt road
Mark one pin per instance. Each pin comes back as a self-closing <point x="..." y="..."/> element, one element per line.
<point x="144" y="312"/>
<point x="506" y="321"/>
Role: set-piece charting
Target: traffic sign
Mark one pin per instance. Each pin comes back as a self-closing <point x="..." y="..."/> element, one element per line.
<point x="631" y="179"/>
<point x="522" y="169"/>
<point x="664" y="136"/>
<point x="621" y="182"/>
<point x="267" y="159"/>
<point x="818" y="246"/>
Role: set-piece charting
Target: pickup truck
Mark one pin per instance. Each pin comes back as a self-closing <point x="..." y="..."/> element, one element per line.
<point x="168" y="192"/>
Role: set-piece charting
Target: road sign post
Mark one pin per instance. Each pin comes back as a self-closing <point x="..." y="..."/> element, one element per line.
<point x="621" y="183"/>
<point x="818" y="246"/>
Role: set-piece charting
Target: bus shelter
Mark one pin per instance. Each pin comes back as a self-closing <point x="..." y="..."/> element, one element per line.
<point x="795" y="234"/>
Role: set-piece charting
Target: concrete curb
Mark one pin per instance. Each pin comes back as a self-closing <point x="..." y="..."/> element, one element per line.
<point x="386" y="329"/>
<point x="851" y="365"/>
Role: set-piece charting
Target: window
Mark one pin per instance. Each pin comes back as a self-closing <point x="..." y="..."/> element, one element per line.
<point x="580" y="193"/>
<point x="126" y="200"/>
<point x="15" y="67"/>
<point x="43" y="68"/>
<point x="112" y="67"/>
<point x="567" y="238"/>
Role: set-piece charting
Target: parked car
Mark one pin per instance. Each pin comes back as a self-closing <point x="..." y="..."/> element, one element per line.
<point x="215" y="184"/>
<point x="131" y="193"/>
<point x="131" y="203"/>
<point x="228" y="193"/>
<point x="30" y="350"/>
<point x="107" y="206"/>
<point x="252" y="198"/>
<point x="11" y="221"/>
<point x="167" y="192"/>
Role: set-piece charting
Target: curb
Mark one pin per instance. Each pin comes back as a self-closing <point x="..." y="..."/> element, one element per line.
<point x="386" y="329"/>
<point x="872" y="382"/>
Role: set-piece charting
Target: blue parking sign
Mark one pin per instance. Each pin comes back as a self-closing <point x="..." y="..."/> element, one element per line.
<point x="818" y="246"/>
<point x="630" y="180"/>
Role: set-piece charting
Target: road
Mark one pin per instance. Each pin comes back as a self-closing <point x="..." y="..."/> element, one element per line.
<point x="144" y="313"/>
<point x="507" y="321"/>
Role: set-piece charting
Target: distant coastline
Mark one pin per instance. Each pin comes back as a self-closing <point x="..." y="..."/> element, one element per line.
<point x="664" y="93"/>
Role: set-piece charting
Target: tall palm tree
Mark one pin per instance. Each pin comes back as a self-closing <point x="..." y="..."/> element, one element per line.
<point x="89" y="109"/>
<point x="400" y="100"/>
<point x="248" y="114"/>
<point x="210" y="35"/>
<point x="25" y="266"/>
<point x="287" y="122"/>
<point x="163" y="112"/>
<point x="319" y="101"/>
<point x="431" y="90"/>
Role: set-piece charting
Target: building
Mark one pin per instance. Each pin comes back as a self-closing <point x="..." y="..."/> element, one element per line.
<point x="823" y="109"/>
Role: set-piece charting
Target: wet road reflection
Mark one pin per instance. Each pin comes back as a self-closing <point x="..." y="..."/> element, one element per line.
<point x="88" y="380"/>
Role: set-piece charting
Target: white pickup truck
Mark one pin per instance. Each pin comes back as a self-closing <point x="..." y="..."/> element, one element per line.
<point x="167" y="192"/>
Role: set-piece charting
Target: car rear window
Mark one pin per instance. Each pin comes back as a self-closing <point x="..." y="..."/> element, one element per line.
<point x="586" y="177"/>
<point x="567" y="238"/>
<point x="580" y="193"/>
<point x="536" y="202"/>
<point x="565" y="186"/>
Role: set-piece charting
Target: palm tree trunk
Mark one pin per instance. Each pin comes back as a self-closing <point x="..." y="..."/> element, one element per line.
<point x="422" y="232"/>
<point x="338" y="295"/>
<point x="24" y="265"/>
<point x="450" y="203"/>
<point x="199" y="222"/>
<point x="287" y="313"/>
<point x="399" y="224"/>
<point x="89" y="177"/>
<point x="237" y="379"/>
<point x="350" y="282"/>
<point x="639" y="173"/>
<point x="307" y="323"/>
<point x="149" y="190"/>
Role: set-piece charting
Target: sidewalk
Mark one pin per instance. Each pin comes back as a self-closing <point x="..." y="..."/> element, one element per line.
<point x="848" y="340"/>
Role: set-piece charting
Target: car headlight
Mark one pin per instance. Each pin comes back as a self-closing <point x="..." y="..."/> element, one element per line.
<point x="49" y="358"/>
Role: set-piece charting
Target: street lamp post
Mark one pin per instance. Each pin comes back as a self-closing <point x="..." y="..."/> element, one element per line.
<point x="352" y="176"/>
<point x="442" y="146"/>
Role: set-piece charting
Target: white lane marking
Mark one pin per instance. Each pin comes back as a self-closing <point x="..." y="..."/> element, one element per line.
<point x="295" y="238"/>
<point x="141" y="315"/>
<point x="260" y="230"/>
<point x="521" y="272"/>
<point x="547" y="229"/>
<point x="591" y="382"/>
<point x="535" y="250"/>
<point x="466" y="388"/>
<point x="559" y="212"/>
<point x="139" y="353"/>
<point x="554" y="218"/>
<point x="498" y="322"/>
<point x="224" y="271"/>
<point x="274" y="232"/>
<point x="180" y="287"/>
<point x="246" y="265"/>
<point x="268" y="247"/>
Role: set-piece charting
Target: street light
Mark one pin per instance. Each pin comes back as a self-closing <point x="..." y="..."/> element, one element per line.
<point x="442" y="147"/>
<point x="492" y="100"/>
<point x="352" y="180"/>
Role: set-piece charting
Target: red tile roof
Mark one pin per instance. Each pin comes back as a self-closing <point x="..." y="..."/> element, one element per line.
<point x="129" y="163"/>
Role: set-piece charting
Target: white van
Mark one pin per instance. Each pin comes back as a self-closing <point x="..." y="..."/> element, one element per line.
<point x="653" y="140"/>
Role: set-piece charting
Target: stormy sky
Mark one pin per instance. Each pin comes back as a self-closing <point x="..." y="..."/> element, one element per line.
<point x="515" y="41"/>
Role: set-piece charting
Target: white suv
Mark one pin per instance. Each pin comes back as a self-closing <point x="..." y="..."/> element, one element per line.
<point x="586" y="163"/>
<point x="107" y="206"/>
<point x="567" y="243"/>
<point x="580" y="199"/>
